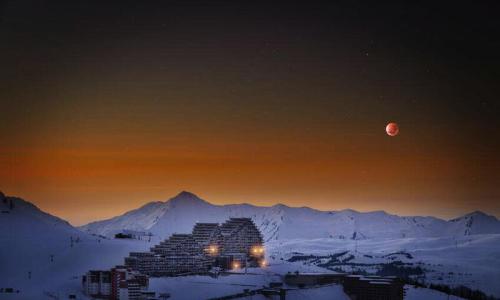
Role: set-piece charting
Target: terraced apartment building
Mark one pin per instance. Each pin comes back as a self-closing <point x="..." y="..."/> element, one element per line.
<point x="234" y="244"/>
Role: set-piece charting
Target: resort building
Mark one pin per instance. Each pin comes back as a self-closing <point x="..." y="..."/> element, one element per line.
<point x="119" y="283"/>
<point x="97" y="284"/>
<point x="359" y="287"/>
<point x="234" y="244"/>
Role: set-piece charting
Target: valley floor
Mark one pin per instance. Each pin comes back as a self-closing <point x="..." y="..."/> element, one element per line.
<point x="56" y="267"/>
<point x="472" y="261"/>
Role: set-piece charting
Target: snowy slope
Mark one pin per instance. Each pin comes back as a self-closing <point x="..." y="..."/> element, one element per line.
<point x="472" y="261"/>
<point x="474" y="223"/>
<point x="280" y="222"/>
<point x="40" y="253"/>
<point x="38" y="258"/>
<point x="24" y="219"/>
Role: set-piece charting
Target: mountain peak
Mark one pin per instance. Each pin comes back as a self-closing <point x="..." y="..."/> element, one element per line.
<point x="480" y="214"/>
<point x="186" y="198"/>
<point x="281" y="206"/>
<point x="472" y="214"/>
<point x="186" y="194"/>
<point x="476" y="213"/>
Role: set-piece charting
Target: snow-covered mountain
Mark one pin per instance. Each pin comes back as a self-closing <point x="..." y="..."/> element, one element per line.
<point x="474" y="223"/>
<point x="41" y="253"/>
<point x="280" y="222"/>
<point x="25" y="220"/>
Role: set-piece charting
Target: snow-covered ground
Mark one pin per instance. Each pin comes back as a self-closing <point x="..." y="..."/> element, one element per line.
<point x="205" y="287"/>
<point x="473" y="261"/>
<point x="413" y="293"/>
<point x="328" y="292"/>
<point x="41" y="253"/>
<point x="43" y="256"/>
<point x="52" y="265"/>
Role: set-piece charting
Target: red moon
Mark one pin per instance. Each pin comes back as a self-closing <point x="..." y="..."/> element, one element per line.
<point x="392" y="129"/>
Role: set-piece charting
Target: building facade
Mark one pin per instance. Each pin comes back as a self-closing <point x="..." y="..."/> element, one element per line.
<point x="234" y="244"/>
<point x="119" y="283"/>
<point x="97" y="284"/>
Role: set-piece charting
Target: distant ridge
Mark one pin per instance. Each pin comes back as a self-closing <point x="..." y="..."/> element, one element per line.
<point x="277" y="222"/>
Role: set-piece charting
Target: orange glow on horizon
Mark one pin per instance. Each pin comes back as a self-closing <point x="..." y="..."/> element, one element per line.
<point x="249" y="104"/>
<point x="95" y="176"/>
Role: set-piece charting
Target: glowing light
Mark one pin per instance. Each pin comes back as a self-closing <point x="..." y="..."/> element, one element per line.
<point x="236" y="265"/>
<point x="263" y="263"/>
<point x="257" y="250"/>
<point x="212" y="249"/>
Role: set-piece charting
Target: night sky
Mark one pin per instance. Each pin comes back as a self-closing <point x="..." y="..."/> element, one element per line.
<point x="107" y="105"/>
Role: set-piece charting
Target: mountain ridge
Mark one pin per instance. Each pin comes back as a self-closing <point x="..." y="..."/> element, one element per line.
<point x="178" y="214"/>
<point x="25" y="219"/>
<point x="51" y="250"/>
